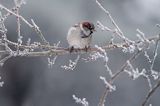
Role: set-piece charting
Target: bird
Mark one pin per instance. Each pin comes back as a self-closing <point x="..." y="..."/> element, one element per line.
<point x="80" y="35"/>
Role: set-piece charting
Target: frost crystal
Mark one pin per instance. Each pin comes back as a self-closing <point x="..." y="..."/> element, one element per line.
<point x="1" y="82"/>
<point x="141" y="36"/>
<point x="102" y="27"/>
<point x="105" y="57"/>
<point x="20" y="40"/>
<point x="72" y="64"/>
<point x="111" y="87"/>
<point x="101" y="54"/>
<point x="80" y="101"/>
<point x="144" y="42"/>
<point x="28" y="41"/>
<point x="131" y="48"/>
<point x="147" y="56"/>
<point x="51" y="62"/>
<point x="135" y="73"/>
<point x="19" y="2"/>
<point x="155" y="74"/>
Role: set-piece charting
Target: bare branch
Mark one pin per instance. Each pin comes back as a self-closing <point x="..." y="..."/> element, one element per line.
<point x="39" y="33"/>
<point x="110" y="17"/>
<point x="24" y="20"/>
<point x="106" y="91"/>
<point x="117" y="30"/>
<point x="150" y="93"/>
<point x="155" y="53"/>
<point x="34" y="26"/>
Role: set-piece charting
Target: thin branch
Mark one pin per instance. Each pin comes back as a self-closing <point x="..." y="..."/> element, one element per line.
<point x="34" y="26"/>
<point x="11" y="12"/>
<point x="106" y="91"/>
<point x="4" y="59"/>
<point x="39" y="33"/>
<point x="155" y="53"/>
<point x="150" y="93"/>
<point x="131" y="59"/>
<point x="110" y="17"/>
<point x="151" y="69"/>
<point x="19" y="38"/>
<point x="52" y="50"/>
<point x="117" y="30"/>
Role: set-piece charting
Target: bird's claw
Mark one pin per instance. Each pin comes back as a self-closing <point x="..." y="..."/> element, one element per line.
<point x="71" y="49"/>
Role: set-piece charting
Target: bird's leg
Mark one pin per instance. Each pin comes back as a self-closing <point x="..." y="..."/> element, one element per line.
<point x="71" y="49"/>
<point x="86" y="48"/>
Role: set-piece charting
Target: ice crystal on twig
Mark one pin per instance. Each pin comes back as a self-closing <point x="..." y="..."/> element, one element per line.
<point x="116" y="30"/>
<point x="102" y="27"/>
<point x="141" y="36"/>
<point x="144" y="42"/>
<point x="51" y="62"/>
<point x="147" y="56"/>
<point x="1" y="82"/>
<point x="154" y="74"/>
<point x="82" y="101"/>
<point x="111" y="87"/>
<point x="72" y="64"/>
<point x="93" y="57"/>
<point x="130" y="48"/>
<point x="19" y="2"/>
<point x="135" y="73"/>
<point x="4" y="59"/>
<point x="101" y="53"/>
<point x="39" y="32"/>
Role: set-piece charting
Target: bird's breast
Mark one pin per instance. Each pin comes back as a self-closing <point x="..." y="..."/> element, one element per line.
<point x="74" y="38"/>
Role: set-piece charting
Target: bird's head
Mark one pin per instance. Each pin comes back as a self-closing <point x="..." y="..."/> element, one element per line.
<point x="87" y="27"/>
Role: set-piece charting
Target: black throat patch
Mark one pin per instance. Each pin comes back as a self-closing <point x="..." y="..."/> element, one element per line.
<point x="83" y="35"/>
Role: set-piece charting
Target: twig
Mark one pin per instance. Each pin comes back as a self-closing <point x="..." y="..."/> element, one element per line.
<point x="150" y="93"/>
<point x="4" y="59"/>
<point x="117" y="30"/>
<point x="151" y="69"/>
<point x="110" y="17"/>
<point x="34" y="26"/>
<point x="23" y="19"/>
<point x="155" y="53"/>
<point x="19" y="38"/>
<point x="106" y="91"/>
<point x="39" y="33"/>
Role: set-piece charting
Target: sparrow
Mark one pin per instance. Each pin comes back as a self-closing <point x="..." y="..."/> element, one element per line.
<point x="80" y="35"/>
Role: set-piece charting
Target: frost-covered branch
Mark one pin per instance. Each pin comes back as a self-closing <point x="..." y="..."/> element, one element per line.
<point x="1" y="82"/>
<point x="150" y="93"/>
<point x="106" y="91"/>
<point x="72" y="64"/>
<point x="33" y="25"/>
<point x="82" y="101"/>
<point x="43" y="48"/>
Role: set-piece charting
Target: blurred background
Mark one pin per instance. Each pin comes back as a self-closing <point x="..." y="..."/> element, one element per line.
<point x="30" y="82"/>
